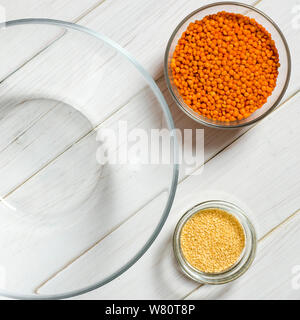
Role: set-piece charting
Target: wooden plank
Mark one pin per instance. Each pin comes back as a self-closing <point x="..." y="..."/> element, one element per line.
<point x="263" y="281"/>
<point x="215" y="141"/>
<point x="47" y="129"/>
<point x="161" y="18"/>
<point x="150" y="282"/>
<point x="68" y="10"/>
<point x="22" y="44"/>
<point x="96" y="116"/>
<point x="61" y="83"/>
<point x="143" y="28"/>
<point x="258" y="159"/>
<point x="70" y="90"/>
<point x="105" y="10"/>
<point x="283" y="17"/>
<point x="71" y="201"/>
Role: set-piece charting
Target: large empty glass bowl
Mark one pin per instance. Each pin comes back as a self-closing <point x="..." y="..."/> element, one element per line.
<point x="81" y="200"/>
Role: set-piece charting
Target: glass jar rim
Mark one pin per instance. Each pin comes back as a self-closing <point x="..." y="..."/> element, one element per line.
<point x="239" y="267"/>
<point x="168" y="76"/>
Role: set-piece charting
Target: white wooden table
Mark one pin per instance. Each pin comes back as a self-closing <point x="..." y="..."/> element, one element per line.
<point x="266" y="155"/>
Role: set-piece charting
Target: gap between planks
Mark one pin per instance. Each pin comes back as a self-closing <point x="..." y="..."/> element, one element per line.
<point x="250" y="128"/>
<point x="66" y="149"/>
<point x="160" y="77"/>
<point x="179" y="182"/>
<point x="88" y="11"/>
<point x="267" y="234"/>
<point x="75" y="20"/>
<point x="35" y="291"/>
<point x="92" y="8"/>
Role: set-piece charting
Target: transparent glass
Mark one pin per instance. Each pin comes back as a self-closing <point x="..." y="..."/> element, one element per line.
<point x="243" y="263"/>
<point x="69" y="221"/>
<point x="281" y="45"/>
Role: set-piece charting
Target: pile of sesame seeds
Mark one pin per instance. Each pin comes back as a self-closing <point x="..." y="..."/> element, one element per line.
<point x="212" y="240"/>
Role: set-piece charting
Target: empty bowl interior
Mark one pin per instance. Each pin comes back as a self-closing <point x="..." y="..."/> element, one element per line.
<point x="74" y="211"/>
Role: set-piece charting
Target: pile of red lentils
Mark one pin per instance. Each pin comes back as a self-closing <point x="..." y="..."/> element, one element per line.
<point x="225" y="66"/>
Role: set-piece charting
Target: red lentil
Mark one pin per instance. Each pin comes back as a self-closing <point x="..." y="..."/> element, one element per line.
<point x="225" y="66"/>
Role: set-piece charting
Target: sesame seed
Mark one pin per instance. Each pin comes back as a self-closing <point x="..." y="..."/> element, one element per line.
<point x="212" y="240"/>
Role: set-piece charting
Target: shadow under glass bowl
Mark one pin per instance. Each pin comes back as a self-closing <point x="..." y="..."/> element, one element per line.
<point x="281" y="45"/>
<point x="76" y="207"/>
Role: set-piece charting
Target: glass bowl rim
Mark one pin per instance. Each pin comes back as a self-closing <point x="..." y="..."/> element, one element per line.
<point x="175" y="171"/>
<point x="166" y="66"/>
<point x="239" y="267"/>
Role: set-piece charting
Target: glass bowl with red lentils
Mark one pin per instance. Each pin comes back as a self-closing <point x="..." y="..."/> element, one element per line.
<point x="227" y="65"/>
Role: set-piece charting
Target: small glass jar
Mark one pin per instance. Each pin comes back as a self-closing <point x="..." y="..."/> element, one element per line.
<point x="245" y="259"/>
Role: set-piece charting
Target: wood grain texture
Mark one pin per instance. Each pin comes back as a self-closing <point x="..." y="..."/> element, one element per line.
<point x="61" y="204"/>
<point x="213" y="135"/>
<point x="34" y="185"/>
<point x="283" y="17"/>
<point x="250" y="161"/>
<point x="68" y="10"/>
<point x="275" y="273"/>
<point x="183" y="121"/>
<point x="21" y="45"/>
<point x="137" y="23"/>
